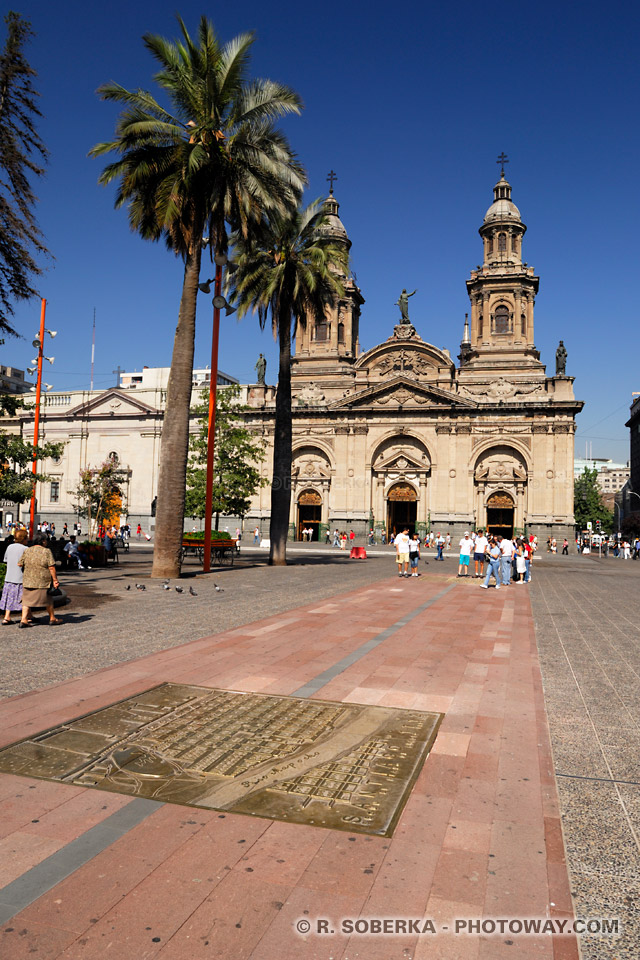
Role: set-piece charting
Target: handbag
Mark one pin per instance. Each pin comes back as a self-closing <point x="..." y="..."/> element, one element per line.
<point x="54" y="592"/>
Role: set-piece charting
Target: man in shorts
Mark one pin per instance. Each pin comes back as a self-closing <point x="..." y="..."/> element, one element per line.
<point x="466" y="545"/>
<point x="479" y="550"/>
<point x="402" y="552"/>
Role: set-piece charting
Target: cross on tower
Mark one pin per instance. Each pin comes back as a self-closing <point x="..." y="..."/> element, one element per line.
<point x="502" y="159"/>
<point x="332" y="176"/>
<point x="118" y="372"/>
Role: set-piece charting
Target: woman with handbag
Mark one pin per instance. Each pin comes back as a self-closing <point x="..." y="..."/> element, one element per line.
<point x="39" y="571"/>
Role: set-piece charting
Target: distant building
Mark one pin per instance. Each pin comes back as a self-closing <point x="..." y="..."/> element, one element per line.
<point x="12" y="381"/>
<point x="157" y="378"/>
<point x="611" y="476"/>
<point x="629" y="498"/>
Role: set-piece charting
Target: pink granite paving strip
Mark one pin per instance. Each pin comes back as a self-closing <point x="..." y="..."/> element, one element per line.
<point x="480" y="833"/>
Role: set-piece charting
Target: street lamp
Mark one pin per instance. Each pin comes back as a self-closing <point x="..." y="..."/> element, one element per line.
<point x="220" y="259"/>
<point x="38" y="341"/>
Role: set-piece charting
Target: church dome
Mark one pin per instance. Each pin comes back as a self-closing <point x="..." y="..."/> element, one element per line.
<point x="333" y="226"/>
<point x="503" y="207"/>
<point x="502" y="210"/>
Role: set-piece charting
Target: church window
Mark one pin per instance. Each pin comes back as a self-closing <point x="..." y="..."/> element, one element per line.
<point x="501" y="319"/>
<point x="490" y="245"/>
<point x="54" y="491"/>
<point x="322" y="330"/>
<point x="341" y="333"/>
<point x="502" y="243"/>
<point x="514" y="243"/>
<point x="523" y="321"/>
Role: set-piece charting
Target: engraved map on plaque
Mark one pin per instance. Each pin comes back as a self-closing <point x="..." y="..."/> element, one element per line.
<point x="345" y="766"/>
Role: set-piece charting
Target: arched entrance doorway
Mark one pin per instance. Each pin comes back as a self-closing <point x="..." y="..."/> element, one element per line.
<point x="402" y="508"/>
<point x="500" y="515"/>
<point x="309" y="513"/>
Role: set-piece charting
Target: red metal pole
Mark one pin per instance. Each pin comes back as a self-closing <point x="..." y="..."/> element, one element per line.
<point x="36" y="425"/>
<point x="211" y="432"/>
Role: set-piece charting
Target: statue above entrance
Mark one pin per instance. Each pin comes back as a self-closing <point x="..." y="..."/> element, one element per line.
<point x="403" y="303"/>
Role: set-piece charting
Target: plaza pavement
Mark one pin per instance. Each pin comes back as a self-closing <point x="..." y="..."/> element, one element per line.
<point x="87" y="873"/>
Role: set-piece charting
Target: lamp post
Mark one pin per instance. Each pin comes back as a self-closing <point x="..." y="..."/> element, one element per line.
<point x="220" y="259"/>
<point x="39" y="343"/>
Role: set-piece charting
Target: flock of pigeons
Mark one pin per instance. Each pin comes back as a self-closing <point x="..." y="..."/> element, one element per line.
<point x="166" y="585"/>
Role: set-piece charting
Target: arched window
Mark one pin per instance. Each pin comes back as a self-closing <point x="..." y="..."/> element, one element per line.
<point x="502" y="243"/>
<point x="514" y="243"/>
<point x="523" y="321"/>
<point x="113" y="456"/>
<point x="501" y="319"/>
<point x="490" y="245"/>
<point x="341" y="333"/>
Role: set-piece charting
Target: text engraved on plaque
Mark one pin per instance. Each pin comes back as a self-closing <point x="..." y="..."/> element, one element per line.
<point x="340" y="765"/>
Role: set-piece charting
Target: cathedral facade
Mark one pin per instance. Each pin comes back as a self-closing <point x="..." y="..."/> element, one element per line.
<point x="402" y="435"/>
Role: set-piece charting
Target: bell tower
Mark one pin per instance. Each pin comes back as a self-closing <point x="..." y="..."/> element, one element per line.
<point x="502" y="292"/>
<point x="326" y="349"/>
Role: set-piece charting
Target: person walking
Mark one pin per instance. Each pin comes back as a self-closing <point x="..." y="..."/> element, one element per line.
<point x="12" y="592"/>
<point x="39" y="572"/>
<point x="479" y="550"/>
<point x="402" y="542"/>
<point x="439" y="546"/>
<point x="494" y="559"/>
<point x="414" y="554"/>
<point x="565" y="547"/>
<point x="466" y="545"/>
<point x="256" y="537"/>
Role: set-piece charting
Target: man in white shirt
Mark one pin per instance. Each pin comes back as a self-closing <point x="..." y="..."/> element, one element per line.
<point x="402" y="552"/>
<point x="479" y="549"/>
<point x="466" y="546"/>
<point x="506" y="549"/>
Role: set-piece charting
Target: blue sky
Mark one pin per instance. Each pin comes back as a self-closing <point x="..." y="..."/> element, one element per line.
<point x="410" y="105"/>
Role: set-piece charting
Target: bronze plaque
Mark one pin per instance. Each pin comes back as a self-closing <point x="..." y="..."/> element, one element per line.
<point x="345" y="766"/>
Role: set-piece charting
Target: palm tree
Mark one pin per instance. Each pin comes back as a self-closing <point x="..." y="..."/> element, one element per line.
<point x="292" y="273"/>
<point x="213" y="159"/>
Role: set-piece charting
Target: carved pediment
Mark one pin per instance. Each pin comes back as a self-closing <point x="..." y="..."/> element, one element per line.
<point x="401" y="463"/>
<point x="116" y="403"/>
<point x="414" y="358"/>
<point x="401" y="391"/>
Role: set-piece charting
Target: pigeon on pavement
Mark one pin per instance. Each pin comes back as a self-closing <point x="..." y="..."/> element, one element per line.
<point x="218" y="589"/>
<point x="192" y="592"/>
<point x="140" y="586"/>
<point x="178" y="589"/>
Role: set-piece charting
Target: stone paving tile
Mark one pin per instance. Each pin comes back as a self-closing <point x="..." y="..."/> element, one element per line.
<point x="587" y="617"/>
<point x="236" y="899"/>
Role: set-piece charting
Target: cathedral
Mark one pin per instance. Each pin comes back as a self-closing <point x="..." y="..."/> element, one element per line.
<point x="401" y="435"/>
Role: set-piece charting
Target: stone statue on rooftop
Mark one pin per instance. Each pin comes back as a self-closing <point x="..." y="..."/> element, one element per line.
<point x="261" y="368"/>
<point x="403" y="303"/>
<point x="561" y="360"/>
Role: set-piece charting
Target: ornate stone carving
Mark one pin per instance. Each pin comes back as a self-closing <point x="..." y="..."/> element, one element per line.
<point x="404" y="331"/>
<point x="501" y="389"/>
<point x="310" y="395"/>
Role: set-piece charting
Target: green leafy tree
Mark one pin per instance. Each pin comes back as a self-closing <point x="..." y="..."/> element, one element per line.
<point x="21" y="154"/>
<point x="236" y="476"/>
<point x="588" y="503"/>
<point x="99" y="492"/>
<point x="292" y="273"/>
<point x="16" y="457"/>
<point x="213" y="159"/>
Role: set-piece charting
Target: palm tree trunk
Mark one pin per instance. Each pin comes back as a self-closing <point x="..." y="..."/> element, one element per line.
<point x="174" y="451"/>
<point x="281" y="483"/>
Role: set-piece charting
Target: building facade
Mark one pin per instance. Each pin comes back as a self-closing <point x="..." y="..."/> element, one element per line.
<point x="401" y="435"/>
<point x="398" y="434"/>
